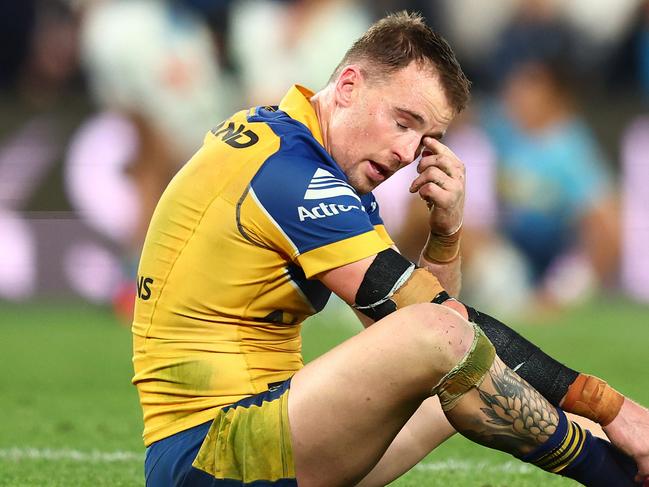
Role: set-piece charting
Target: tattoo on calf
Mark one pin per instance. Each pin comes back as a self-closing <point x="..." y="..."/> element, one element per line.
<point x="519" y="416"/>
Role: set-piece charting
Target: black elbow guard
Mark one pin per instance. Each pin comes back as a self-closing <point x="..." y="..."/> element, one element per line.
<point x="392" y="282"/>
<point x="545" y="374"/>
<point x="384" y="276"/>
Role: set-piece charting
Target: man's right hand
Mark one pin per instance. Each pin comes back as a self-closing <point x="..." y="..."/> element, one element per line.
<point x="441" y="183"/>
<point x="629" y="431"/>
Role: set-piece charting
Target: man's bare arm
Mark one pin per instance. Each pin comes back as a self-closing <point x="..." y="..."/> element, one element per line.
<point x="449" y="274"/>
<point x="441" y="184"/>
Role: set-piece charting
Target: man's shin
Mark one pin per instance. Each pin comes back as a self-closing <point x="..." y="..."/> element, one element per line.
<point x="506" y="413"/>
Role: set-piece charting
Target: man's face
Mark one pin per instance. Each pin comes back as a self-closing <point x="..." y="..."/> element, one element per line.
<point x="378" y="127"/>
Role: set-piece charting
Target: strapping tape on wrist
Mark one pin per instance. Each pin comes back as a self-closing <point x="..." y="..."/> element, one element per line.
<point x="593" y="398"/>
<point x="442" y="249"/>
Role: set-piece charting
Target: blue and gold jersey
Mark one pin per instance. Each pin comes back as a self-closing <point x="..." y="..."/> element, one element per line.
<point x="228" y="268"/>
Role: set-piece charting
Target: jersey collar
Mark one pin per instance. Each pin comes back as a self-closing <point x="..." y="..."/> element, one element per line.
<point x="296" y="103"/>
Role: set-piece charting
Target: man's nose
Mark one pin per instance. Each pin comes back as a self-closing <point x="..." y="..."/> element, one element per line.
<point x="408" y="151"/>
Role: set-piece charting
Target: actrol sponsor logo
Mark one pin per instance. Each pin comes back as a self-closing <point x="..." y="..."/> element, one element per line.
<point x="323" y="210"/>
<point x="325" y="185"/>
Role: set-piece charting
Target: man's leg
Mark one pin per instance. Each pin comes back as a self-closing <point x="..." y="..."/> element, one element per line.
<point x="581" y="394"/>
<point x="426" y="430"/>
<point x="625" y="422"/>
<point x="347" y="407"/>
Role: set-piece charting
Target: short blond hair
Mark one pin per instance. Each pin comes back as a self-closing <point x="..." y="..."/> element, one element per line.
<point x="395" y="41"/>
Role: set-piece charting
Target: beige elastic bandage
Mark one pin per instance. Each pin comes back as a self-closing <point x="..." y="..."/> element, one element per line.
<point x="421" y="287"/>
<point x="442" y="249"/>
<point x="593" y="398"/>
<point x="468" y="373"/>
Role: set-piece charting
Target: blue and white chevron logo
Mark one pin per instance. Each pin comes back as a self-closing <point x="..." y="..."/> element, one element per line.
<point x="325" y="185"/>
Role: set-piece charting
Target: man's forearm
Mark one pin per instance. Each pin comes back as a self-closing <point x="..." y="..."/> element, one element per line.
<point x="441" y="257"/>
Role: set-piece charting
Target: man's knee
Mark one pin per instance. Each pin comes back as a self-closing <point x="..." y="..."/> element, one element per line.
<point x="440" y="331"/>
<point x="459" y="352"/>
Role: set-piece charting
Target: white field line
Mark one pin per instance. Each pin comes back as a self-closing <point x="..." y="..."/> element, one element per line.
<point x="453" y="464"/>
<point x="94" y="456"/>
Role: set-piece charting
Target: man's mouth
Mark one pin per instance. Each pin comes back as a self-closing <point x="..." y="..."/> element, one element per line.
<point x="381" y="172"/>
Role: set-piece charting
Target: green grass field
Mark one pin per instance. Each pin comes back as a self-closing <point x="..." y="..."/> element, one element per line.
<point x="69" y="416"/>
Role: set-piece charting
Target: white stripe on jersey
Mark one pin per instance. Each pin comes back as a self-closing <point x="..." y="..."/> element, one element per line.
<point x="323" y="185"/>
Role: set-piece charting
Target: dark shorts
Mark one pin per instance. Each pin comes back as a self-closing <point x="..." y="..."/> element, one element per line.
<point x="247" y="444"/>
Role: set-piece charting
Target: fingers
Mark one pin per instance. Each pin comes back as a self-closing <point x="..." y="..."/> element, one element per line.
<point x="451" y="166"/>
<point x="437" y="154"/>
<point x="435" y="146"/>
<point x="434" y="194"/>
<point x="431" y="174"/>
<point x="441" y="176"/>
<point x="441" y="183"/>
<point x="436" y="187"/>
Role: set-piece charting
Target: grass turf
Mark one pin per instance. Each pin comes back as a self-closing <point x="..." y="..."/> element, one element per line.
<point x="69" y="416"/>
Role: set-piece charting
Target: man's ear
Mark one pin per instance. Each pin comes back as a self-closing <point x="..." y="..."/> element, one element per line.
<point x="347" y="84"/>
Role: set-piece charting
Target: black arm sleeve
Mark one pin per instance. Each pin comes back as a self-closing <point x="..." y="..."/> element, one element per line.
<point x="545" y="374"/>
<point x="383" y="274"/>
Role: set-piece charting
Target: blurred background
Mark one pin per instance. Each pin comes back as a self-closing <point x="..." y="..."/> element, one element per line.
<point x="102" y="101"/>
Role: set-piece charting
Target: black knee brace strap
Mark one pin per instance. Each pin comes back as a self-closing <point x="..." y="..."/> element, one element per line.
<point x="546" y="375"/>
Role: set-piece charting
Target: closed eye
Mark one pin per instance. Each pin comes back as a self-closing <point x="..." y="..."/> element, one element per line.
<point x="401" y="126"/>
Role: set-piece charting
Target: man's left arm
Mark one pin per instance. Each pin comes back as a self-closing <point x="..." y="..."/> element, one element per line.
<point x="442" y="184"/>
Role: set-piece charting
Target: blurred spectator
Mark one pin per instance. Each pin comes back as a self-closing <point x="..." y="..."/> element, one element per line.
<point x="599" y="26"/>
<point x="603" y="20"/>
<point x="536" y="31"/>
<point x="557" y="199"/>
<point x="153" y="69"/>
<point x="635" y="174"/>
<point x="473" y="28"/>
<point x="41" y="106"/>
<point x="280" y="43"/>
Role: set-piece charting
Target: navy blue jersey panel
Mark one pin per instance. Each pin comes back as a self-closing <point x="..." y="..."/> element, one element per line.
<point x="317" y="205"/>
<point x="317" y="293"/>
<point x="372" y="208"/>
